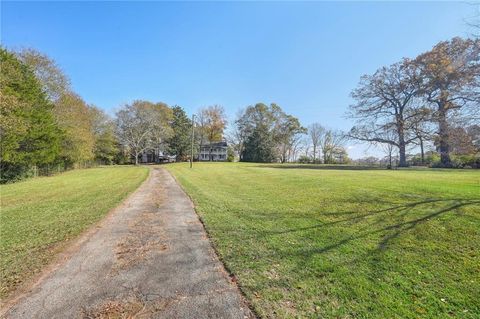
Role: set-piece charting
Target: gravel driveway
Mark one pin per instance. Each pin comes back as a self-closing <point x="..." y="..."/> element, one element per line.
<point x="150" y="258"/>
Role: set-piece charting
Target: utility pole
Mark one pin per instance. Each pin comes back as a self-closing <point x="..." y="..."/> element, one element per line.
<point x="193" y="139"/>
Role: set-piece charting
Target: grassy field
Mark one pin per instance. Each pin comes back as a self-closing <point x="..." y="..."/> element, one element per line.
<point x="340" y="243"/>
<point x="39" y="215"/>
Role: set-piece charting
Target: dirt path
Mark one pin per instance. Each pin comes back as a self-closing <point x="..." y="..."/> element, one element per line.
<point x="149" y="259"/>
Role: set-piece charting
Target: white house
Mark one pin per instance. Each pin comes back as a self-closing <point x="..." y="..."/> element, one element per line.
<point x="213" y="152"/>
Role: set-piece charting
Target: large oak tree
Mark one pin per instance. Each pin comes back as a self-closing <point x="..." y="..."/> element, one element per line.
<point x="385" y="101"/>
<point x="450" y="81"/>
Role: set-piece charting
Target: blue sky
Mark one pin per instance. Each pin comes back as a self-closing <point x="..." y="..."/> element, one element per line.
<point x="304" y="56"/>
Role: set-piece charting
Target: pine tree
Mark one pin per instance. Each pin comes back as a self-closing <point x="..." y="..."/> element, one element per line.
<point x="29" y="135"/>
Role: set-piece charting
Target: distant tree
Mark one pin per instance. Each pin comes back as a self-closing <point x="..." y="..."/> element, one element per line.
<point x="450" y="80"/>
<point x="340" y="155"/>
<point x="295" y="147"/>
<point x="331" y="141"/>
<point x="162" y="129"/>
<point x="212" y="122"/>
<point x="303" y="159"/>
<point x="53" y="79"/>
<point x="315" y="131"/>
<point x="474" y="21"/>
<point x="71" y="112"/>
<point x="13" y="124"/>
<point x="389" y="148"/>
<point x="230" y="154"/>
<point x="269" y="128"/>
<point x="179" y="143"/>
<point x="422" y="130"/>
<point x="200" y="134"/>
<point x="255" y="126"/>
<point x="370" y="160"/>
<point x="74" y="119"/>
<point x="289" y="129"/>
<point x="460" y="141"/>
<point x="474" y="132"/>
<point x="134" y="127"/>
<point x="106" y="144"/>
<point x="244" y="124"/>
<point x="28" y="133"/>
<point x="385" y="101"/>
<point x="305" y="145"/>
<point x="260" y="146"/>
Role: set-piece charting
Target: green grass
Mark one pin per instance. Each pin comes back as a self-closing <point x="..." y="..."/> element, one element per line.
<point x="340" y="243"/>
<point x="38" y="216"/>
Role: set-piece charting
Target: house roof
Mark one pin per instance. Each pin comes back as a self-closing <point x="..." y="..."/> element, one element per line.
<point x="218" y="144"/>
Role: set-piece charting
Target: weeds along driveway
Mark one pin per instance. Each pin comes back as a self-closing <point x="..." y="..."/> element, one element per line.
<point x="150" y="258"/>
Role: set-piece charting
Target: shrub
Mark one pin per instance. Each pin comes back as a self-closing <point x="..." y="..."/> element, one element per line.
<point x="459" y="161"/>
<point x="304" y="159"/>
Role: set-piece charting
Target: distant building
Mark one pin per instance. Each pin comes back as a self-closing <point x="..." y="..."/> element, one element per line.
<point x="216" y="152"/>
<point x="155" y="156"/>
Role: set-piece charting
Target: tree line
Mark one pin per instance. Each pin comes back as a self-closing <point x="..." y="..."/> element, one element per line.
<point x="266" y="133"/>
<point x="432" y="100"/>
<point x="429" y="102"/>
<point x="46" y="127"/>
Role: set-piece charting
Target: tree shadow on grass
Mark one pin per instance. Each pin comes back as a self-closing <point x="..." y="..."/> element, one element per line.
<point x="373" y="242"/>
<point x="348" y="167"/>
<point x="393" y="221"/>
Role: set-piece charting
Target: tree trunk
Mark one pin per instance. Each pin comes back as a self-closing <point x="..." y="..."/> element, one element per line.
<point x="443" y="137"/>
<point x="136" y="158"/>
<point x="314" y="153"/>
<point x="422" y="153"/>
<point x="403" y="158"/>
<point x="401" y="145"/>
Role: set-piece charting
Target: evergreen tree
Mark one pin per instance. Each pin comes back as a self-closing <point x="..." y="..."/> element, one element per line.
<point x="180" y="143"/>
<point x="71" y="112"/>
<point x="260" y="146"/>
<point x="29" y="135"/>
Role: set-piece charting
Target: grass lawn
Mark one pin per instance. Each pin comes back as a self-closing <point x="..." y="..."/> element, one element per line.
<point x="38" y="216"/>
<point x="340" y="243"/>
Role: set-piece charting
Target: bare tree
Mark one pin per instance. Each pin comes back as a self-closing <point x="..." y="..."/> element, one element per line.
<point x="306" y="147"/>
<point x="137" y="126"/>
<point x="315" y="131"/>
<point x="330" y="142"/>
<point x="385" y="101"/>
<point x="53" y="79"/>
<point x="289" y="128"/>
<point x="389" y="148"/>
<point x="474" y="21"/>
<point x="295" y="146"/>
<point x="236" y="135"/>
<point x="200" y="128"/>
<point x="423" y="131"/>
